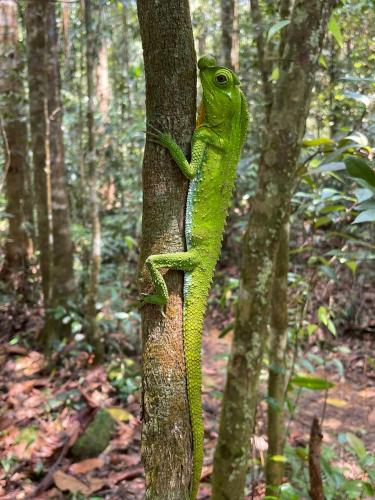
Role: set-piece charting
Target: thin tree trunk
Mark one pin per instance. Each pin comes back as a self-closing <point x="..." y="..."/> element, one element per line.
<point x="169" y="58"/>
<point x="269" y="211"/>
<point x="229" y="37"/>
<point x="63" y="285"/>
<point x="95" y="259"/>
<point x="277" y="365"/>
<point x="14" y="131"/>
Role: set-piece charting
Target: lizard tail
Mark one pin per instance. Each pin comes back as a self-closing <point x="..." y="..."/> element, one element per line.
<point x="194" y="309"/>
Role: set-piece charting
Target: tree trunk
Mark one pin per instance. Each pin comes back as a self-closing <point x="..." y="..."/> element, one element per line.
<point x="277" y="365"/>
<point x="35" y="38"/>
<point x="95" y="259"/>
<point x="55" y="246"/>
<point x="269" y="211"/>
<point x="14" y="131"/>
<point x="169" y="59"/>
<point x="63" y="285"/>
<point x="229" y="38"/>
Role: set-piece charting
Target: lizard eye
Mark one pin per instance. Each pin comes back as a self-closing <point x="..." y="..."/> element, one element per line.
<point x="221" y="79"/>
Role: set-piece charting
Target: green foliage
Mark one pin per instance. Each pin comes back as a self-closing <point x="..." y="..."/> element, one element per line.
<point x="337" y="480"/>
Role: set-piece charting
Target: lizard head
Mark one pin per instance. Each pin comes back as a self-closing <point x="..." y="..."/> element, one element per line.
<point x="221" y="92"/>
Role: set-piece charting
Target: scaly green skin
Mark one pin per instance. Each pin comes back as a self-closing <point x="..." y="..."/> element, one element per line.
<point x="216" y="147"/>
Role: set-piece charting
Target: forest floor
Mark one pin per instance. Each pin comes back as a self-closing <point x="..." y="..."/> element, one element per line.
<point x="42" y="413"/>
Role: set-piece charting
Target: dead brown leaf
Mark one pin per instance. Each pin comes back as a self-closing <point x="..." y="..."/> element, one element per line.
<point x="86" y="465"/>
<point x="65" y="482"/>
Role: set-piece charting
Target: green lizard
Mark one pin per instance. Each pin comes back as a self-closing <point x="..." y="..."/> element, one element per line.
<point x="216" y="147"/>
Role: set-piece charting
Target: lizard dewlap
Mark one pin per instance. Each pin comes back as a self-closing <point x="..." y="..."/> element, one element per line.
<point x="216" y="146"/>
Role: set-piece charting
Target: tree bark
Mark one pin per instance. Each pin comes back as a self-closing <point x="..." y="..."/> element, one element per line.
<point x="95" y="258"/>
<point x="36" y="46"/>
<point x="269" y="211"/>
<point x="169" y="58"/>
<point x="63" y="285"/>
<point x="55" y="246"/>
<point x="14" y="131"/>
<point x="229" y="37"/>
<point x="277" y="365"/>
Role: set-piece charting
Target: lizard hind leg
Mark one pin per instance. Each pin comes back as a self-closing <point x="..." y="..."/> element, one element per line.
<point x="179" y="261"/>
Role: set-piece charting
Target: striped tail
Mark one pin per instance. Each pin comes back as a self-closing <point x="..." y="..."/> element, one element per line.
<point x="197" y="285"/>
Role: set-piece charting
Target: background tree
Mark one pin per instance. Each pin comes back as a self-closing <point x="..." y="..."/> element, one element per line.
<point x="14" y="134"/>
<point x="270" y="210"/>
<point x="169" y="56"/>
<point x="55" y="246"/>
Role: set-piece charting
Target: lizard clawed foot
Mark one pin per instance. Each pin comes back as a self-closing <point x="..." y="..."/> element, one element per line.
<point x="158" y="137"/>
<point x="155" y="300"/>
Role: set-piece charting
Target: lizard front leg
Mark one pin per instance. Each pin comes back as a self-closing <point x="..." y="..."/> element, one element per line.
<point x="179" y="261"/>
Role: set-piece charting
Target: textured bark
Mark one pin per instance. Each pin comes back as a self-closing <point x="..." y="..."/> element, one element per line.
<point x="169" y="58"/>
<point x="269" y="211"/>
<point x="95" y="258"/>
<point x="315" y="444"/>
<point x="265" y="66"/>
<point x="14" y="131"/>
<point x="277" y="364"/>
<point x="229" y="37"/>
<point x="56" y="251"/>
<point x="63" y="285"/>
<point x="35" y="36"/>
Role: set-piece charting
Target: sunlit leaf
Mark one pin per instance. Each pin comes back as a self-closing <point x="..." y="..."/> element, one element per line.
<point x="319" y="141"/>
<point x="335" y="30"/>
<point x="339" y="403"/>
<point x="312" y="383"/>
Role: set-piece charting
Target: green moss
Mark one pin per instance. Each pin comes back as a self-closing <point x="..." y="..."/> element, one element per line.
<point x="95" y="438"/>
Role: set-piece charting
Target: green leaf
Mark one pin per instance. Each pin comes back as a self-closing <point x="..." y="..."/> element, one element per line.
<point x="335" y="31"/>
<point x="278" y="458"/>
<point x="319" y="141"/>
<point x="357" y="445"/>
<point x="323" y="62"/>
<point x="361" y="170"/>
<point x="312" y="383"/>
<point x="363" y="194"/>
<point x="275" y="28"/>
<point x="366" y="216"/>
<point x="364" y="99"/>
<point x="329" y="167"/>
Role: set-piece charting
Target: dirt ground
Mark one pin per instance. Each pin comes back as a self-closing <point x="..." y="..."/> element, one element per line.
<point x="41" y="415"/>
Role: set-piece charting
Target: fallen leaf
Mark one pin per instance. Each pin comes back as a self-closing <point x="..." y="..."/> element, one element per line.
<point x="86" y="465"/>
<point x="120" y="414"/>
<point x="339" y="403"/>
<point x="65" y="482"/>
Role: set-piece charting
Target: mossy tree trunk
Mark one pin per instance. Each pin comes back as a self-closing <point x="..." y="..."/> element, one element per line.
<point x="270" y="210"/>
<point x="170" y="70"/>
<point x="13" y="128"/>
<point x="277" y="365"/>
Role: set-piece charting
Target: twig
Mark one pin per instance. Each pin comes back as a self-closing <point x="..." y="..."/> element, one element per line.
<point x="47" y="481"/>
